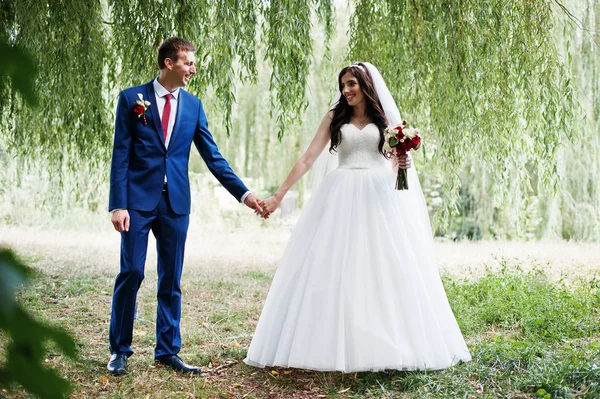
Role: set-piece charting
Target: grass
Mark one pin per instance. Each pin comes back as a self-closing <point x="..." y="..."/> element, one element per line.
<point x="530" y="338"/>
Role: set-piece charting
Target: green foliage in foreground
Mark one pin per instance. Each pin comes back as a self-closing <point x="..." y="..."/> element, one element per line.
<point x="25" y="352"/>
<point x="25" y="336"/>
<point x="530" y="337"/>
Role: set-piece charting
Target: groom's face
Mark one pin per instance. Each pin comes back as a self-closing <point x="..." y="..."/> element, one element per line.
<point x="182" y="69"/>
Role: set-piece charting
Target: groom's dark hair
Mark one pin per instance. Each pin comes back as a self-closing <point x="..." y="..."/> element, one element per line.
<point x="171" y="47"/>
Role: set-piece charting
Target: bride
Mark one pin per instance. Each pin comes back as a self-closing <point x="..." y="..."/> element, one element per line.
<point x="357" y="288"/>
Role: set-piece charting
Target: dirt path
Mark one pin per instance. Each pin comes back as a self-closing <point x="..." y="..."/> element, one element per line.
<point x="256" y="248"/>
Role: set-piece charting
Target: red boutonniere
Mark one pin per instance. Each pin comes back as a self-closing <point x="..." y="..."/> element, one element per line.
<point x="140" y="108"/>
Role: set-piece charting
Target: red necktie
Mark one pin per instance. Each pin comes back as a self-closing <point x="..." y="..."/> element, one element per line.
<point x="166" y="115"/>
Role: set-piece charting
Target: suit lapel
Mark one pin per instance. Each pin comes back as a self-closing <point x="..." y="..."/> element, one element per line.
<point x="180" y="101"/>
<point x="154" y="111"/>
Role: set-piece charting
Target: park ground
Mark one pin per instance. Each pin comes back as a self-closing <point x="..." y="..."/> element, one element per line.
<point x="530" y="313"/>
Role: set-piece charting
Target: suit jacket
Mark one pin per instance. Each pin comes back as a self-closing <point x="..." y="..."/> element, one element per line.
<point x="140" y="159"/>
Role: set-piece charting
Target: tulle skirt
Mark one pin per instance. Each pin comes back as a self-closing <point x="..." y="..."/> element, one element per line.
<point x="358" y="288"/>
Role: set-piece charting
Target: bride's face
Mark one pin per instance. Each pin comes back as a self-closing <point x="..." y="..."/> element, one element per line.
<point x="351" y="90"/>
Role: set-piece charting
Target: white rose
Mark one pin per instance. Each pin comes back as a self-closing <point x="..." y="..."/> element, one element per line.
<point x="410" y="133"/>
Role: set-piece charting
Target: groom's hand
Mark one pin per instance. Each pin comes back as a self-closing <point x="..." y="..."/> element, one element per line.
<point x="120" y="220"/>
<point x="253" y="203"/>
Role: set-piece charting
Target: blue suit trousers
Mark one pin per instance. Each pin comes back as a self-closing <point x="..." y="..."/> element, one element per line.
<point x="170" y="231"/>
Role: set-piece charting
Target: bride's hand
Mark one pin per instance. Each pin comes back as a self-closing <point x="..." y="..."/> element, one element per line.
<point x="269" y="206"/>
<point x="403" y="161"/>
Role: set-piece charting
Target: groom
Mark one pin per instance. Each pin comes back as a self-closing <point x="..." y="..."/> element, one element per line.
<point x="155" y="126"/>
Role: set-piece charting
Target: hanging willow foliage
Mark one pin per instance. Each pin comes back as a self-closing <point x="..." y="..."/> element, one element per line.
<point x="483" y="79"/>
<point x="88" y="51"/>
<point x="68" y="41"/>
<point x="576" y="212"/>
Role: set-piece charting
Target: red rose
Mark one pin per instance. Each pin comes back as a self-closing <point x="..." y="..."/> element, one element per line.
<point x="139" y="109"/>
<point x="416" y="141"/>
<point x="399" y="128"/>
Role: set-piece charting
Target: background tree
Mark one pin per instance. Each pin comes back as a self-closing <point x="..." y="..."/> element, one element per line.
<point x="486" y="81"/>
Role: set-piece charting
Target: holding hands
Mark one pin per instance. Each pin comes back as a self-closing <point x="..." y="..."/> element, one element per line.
<point x="253" y="202"/>
<point x="269" y="206"/>
<point x="262" y="208"/>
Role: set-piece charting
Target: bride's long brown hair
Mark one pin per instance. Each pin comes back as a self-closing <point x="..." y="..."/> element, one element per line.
<point x="342" y="112"/>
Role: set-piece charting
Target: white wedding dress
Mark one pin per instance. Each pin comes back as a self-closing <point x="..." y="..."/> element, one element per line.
<point x="358" y="288"/>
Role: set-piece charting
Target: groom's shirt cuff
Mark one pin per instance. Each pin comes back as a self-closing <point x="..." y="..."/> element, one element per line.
<point x="246" y="194"/>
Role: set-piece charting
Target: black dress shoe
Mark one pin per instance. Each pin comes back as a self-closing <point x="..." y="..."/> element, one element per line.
<point x="117" y="363"/>
<point x="177" y="364"/>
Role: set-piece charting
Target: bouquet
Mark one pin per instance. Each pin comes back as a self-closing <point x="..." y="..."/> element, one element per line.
<point x="399" y="140"/>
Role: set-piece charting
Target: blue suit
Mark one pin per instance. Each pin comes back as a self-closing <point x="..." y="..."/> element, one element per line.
<point x="140" y="163"/>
